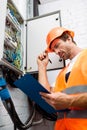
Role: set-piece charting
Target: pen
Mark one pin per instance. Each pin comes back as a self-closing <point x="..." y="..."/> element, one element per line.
<point x="50" y="61"/>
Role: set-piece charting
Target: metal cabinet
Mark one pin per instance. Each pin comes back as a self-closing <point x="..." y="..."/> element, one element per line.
<point x="37" y="30"/>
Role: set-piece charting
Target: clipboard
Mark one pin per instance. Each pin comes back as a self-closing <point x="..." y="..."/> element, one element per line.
<point x="31" y="87"/>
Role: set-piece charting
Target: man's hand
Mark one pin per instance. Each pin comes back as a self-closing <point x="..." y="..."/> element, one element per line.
<point x="43" y="60"/>
<point x="58" y="100"/>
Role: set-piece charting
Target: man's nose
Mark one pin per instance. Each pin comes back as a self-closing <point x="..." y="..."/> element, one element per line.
<point x="57" y="51"/>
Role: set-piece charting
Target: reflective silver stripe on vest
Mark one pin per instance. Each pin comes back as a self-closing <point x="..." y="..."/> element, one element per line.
<point x="76" y="89"/>
<point x="73" y="114"/>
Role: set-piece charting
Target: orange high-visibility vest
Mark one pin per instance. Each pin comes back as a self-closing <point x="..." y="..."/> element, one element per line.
<point x="77" y="77"/>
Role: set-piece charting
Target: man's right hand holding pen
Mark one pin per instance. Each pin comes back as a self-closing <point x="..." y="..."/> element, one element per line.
<point x="44" y="59"/>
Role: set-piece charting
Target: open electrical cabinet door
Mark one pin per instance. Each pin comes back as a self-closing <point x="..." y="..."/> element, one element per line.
<point x="37" y="30"/>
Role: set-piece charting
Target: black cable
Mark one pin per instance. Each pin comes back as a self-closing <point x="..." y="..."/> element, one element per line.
<point x="8" y="104"/>
<point x="15" y="127"/>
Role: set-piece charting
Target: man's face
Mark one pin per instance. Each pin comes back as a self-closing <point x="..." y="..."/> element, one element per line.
<point x="62" y="48"/>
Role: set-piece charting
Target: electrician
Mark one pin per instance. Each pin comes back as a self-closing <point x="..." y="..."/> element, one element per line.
<point x="70" y="89"/>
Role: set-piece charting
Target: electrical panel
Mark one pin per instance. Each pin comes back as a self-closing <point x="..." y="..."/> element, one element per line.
<point x="12" y="48"/>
